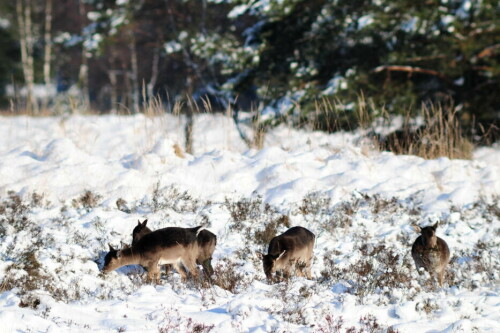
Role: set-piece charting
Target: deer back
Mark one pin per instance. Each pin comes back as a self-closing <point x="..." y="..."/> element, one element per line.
<point x="166" y="237"/>
<point x="293" y="240"/>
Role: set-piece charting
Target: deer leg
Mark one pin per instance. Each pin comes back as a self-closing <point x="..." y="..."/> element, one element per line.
<point x="441" y="277"/>
<point x="299" y="268"/>
<point x="287" y="272"/>
<point x="308" y="270"/>
<point x="193" y="269"/>
<point x="207" y="266"/>
<point x="153" y="273"/>
<point x="180" y="269"/>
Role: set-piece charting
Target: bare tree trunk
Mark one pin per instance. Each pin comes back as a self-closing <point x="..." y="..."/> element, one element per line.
<point x="26" y="41"/>
<point x="83" y="73"/>
<point x="185" y="52"/>
<point x="83" y="79"/>
<point x="47" y="49"/>
<point x="114" y="96"/>
<point x="188" y="129"/>
<point x="135" y="75"/>
<point x="236" y="120"/>
<point x="154" y="73"/>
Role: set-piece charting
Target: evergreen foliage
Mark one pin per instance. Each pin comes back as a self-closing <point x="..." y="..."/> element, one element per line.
<point x="395" y="53"/>
<point x="299" y="60"/>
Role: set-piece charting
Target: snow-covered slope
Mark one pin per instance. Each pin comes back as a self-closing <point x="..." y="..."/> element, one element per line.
<point x="94" y="177"/>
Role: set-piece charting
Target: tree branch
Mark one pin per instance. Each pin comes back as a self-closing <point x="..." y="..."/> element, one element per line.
<point x="410" y="70"/>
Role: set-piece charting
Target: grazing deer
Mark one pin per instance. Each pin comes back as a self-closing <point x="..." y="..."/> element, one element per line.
<point x="291" y="250"/>
<point x="205" y="239"/>
<point x="173" y="245"/>
<point x="430" y="252"/>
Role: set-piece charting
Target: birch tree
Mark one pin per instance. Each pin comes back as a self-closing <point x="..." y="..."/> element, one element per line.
<point x="26" y="41"/>
<point x="47" y="54"/>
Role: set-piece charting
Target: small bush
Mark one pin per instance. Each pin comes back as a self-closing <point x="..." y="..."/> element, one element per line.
<point x="173" y="198"/>
<point x="13" y="214"/>
<point x="121" y="204"/>
<point x="475" y="267"/>
<point x="293" y="301"/>
<point x="331" y="325"/>
<point x="317" y="207"/>
<point x="428" y="306"/>
<point x="174" y="322"/>
<point x="26" y="274"/>
<point x="227" y="275"/>
<point x="314" y="203"/>
<point x="368" y="323"/>
<point x="263" y="237"/>
<point x="243" y="209"/>
<point x="87" y="200"/>
<point x="378" y="270"/>
<point x="37" y="200"/>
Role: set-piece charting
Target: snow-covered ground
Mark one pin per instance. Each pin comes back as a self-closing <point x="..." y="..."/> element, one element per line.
<point x="71" y="185"/>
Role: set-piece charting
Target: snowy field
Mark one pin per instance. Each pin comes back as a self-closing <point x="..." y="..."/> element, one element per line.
<point x="69" y="186"/>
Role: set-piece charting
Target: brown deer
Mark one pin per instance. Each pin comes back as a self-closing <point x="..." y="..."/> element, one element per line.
<point x="173" y="245"/>
<point x="430" y="252"/>
<point x="205" y="239"/>
<point x="291" y="250"/>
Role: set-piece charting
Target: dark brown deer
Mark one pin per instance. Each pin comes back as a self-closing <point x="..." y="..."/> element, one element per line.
<point x="289" y="251"/>
<point x="205" y="239"/>
<point x="176" y="246"/>
<point x="430" y="252"/>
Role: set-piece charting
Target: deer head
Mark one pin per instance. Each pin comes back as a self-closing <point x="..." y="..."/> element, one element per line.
<point x="429" y="238"/>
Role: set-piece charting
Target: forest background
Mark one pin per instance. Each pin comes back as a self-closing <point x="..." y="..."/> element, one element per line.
<point x="303" y="62"/>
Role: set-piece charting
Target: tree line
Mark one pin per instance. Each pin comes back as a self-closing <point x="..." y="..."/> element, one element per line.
<point x="284" y="58"/>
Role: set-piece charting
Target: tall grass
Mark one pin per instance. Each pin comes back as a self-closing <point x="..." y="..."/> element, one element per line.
<point x="430" y="131"/>
<point x="441" y="135"/>
<point x="434" y="133"/>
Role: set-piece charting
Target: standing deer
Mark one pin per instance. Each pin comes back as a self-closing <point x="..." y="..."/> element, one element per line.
<point x="430" y="252"/>
<point x="205" y="239"/>
<point x="173" y="245"/>
<point x="289" y="251"/>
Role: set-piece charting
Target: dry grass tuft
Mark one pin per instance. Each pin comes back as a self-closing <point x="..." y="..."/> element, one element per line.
<point x="440" y="135"/>
<point x="178" y="151"/>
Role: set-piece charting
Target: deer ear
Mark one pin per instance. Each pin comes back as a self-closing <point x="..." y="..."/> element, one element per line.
<point x="281" y="254"/>
<point x="139" y="222"/>
<point x="260" y="255"/>
<point x="417" y="228"/>
<point x="110" y="247"/>
<point x="435" y="226"/>
<point x="145" y="222"/>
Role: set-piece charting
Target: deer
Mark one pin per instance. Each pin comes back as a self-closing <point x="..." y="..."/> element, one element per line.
<point x="291" y="250"/>
<point x="430" y="252"/>
<point x="206" y="244"/>
<point x="172" y="245"/>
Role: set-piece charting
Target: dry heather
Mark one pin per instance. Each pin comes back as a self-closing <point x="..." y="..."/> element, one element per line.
<point x="375" y="269"/>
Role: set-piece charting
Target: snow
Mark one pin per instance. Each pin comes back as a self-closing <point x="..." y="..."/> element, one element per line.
<point x="40" y="91"/>
<point x="355" y="199"/>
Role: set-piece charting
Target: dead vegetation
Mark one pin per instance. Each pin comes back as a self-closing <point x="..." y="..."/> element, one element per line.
<point x="87" y="200"/>
<point x="378" y="270"/>
<point x="227" y="275"/>
<point x="171" y="197"/>
<point x="440" y="134"/>
<point x="382" y="273"/>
